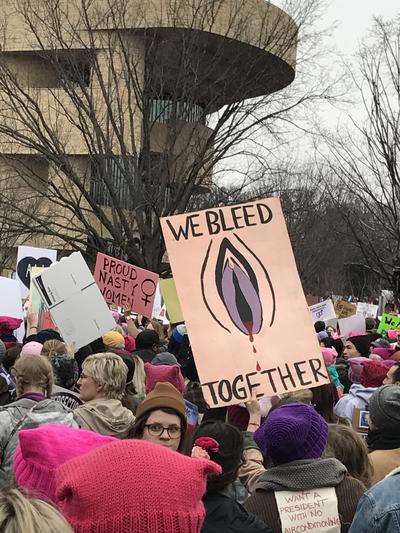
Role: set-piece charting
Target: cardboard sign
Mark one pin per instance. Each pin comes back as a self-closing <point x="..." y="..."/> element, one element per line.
<point x="367" y="310"/>
<point x="239" y="295"/>
<point x="44" y="317"/>
<point x="389" y="322"/>
<point x="308" y="510"/>
<point x="352" y="323"/>
<point x="360" y="421"/>
<point x="322" y="311"/>
<point x="344" y="309"/>
<point x="170" y="297"/>
<point x="29" y="257"/>
<point x="74" y="300"/>
<point x="10" y="298"/>
<point x="126" y="285"/>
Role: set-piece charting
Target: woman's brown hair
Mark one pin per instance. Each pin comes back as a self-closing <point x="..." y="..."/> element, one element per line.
<point x="350" y="449"/>
<point x="138" y="428"/>
<point x="33" y="371"/>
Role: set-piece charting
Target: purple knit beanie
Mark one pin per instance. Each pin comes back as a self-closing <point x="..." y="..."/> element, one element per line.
<point x="292" y="432"/>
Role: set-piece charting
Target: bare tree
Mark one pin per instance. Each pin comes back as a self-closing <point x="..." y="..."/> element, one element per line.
<point x="364" y="162"/>
<point x="119" y="111"/>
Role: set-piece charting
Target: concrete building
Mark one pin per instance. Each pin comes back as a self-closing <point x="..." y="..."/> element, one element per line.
<point x="189" y="59"/>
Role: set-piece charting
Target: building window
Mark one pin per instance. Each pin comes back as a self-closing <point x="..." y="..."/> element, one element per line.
<point x="164" y="111"/>
<point x="110" y="174"/>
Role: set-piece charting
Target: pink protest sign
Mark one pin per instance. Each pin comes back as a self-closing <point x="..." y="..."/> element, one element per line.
<point x="126" y="285"/>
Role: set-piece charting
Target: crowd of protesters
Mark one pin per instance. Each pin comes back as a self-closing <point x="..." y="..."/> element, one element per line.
<point x="117" y="437"/>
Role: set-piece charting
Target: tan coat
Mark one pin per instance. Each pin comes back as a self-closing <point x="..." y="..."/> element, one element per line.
<point x="383" y="462"/>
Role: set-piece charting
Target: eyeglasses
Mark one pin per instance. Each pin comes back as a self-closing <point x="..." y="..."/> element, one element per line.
<point x="157" y="430"/>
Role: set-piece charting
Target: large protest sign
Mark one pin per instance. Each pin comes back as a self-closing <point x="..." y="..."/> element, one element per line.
<point x="28" y="257"/>
<point x="389" y="322"/>
<point x="239" y="297"/>
<point x="322" y="311"/>
<point x="367" y="310"/>
<point x="74" y="300"/>
<point x="126" y="285"/>
<point x="344" y="309"/>
<point x="308" y="510"/>
<point x="170" y="297"/>
<point x="354" y="323"/>
<point x="10" y="298"/>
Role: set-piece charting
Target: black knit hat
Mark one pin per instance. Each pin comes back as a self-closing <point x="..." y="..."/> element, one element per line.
<point x="362" y="344"/>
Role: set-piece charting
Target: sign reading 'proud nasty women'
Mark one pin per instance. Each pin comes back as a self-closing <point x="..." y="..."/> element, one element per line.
<point x="239" y="297"/>
<point x="126" y="285"/>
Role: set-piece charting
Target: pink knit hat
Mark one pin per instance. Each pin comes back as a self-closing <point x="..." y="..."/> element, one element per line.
<point x="133" y="485"/>
<point x="392" y="334"/>
<point x="163" y="373"/>
<point x="42" y="450"/>
<point x="32" y="348"/>
<point x="329" y="355"/>
<point x="355" y="368"/>
<point x="385" y="353"/>
<point x="130" y="343"/>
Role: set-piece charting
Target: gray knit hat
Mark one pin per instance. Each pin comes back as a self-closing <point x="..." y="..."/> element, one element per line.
<point x="2" y="351"/>
<point x="384" y="408"/>
<point x="164" y="358"/>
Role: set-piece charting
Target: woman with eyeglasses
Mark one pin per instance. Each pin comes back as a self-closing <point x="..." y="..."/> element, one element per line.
<point x="161" y="418"/>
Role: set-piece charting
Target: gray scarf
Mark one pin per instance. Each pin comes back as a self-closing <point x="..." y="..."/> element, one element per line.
<point x="306" y="474"/>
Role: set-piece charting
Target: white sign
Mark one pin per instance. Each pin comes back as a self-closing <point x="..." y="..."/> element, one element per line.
<point x="367" y="310"/>
<point x="157" y="303"/>
<point x="322" y="311"/>
<point x="29" y="257"/>
<point x="351" y="323"/>
<point x="10" y="298"/>
<point x="308" y="510"/>
<point x="74" y="300"/>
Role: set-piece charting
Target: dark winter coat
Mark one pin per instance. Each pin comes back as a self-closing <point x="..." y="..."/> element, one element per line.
<point x="225" y="515"/>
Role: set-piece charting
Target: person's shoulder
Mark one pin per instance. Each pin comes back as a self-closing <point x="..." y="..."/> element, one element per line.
<point x="229" y="515"/>
<point x="383" y="497"/>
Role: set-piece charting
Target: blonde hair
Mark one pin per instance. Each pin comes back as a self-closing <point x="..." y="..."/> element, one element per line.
<point x="158" y="327"/>
<point x="303" y="396"/>
<point x="33" y="371"/>
<point x="346" y="445"/>
<point x="109" y="371"/>
<point x="18" y="513"/>
<point x="139" y="377"/>
<point x="52" y="347"/>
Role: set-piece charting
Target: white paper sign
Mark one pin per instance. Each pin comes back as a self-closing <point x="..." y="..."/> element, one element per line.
<point x="322" y="311"/>
<point x="308" y="510"/>
<point x="10" y="298"/>
<point x="351" y="323"/>
<point x="28" y="257"/>
<point x="74" y="300"/>
<point x="367" y="310"/>
<point x="157" y="303"/>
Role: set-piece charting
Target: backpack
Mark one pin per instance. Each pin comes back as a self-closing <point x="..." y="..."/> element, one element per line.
<point x="37" y="414"/>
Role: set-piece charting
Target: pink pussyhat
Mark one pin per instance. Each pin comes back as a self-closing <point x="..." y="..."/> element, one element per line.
<point x="392" y="334"/>
<point x="42" y="450"/>
<point x="32" y="348"/>
<point x="329" y="355"/>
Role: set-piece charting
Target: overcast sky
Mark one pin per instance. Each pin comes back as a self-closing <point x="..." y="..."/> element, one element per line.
<point x="354" y="18"/>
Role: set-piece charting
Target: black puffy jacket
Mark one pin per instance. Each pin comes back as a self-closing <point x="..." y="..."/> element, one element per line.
<point x="225" y="515"/>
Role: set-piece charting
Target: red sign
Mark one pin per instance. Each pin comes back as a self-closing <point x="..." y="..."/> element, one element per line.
<point x="126" y="285"/>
